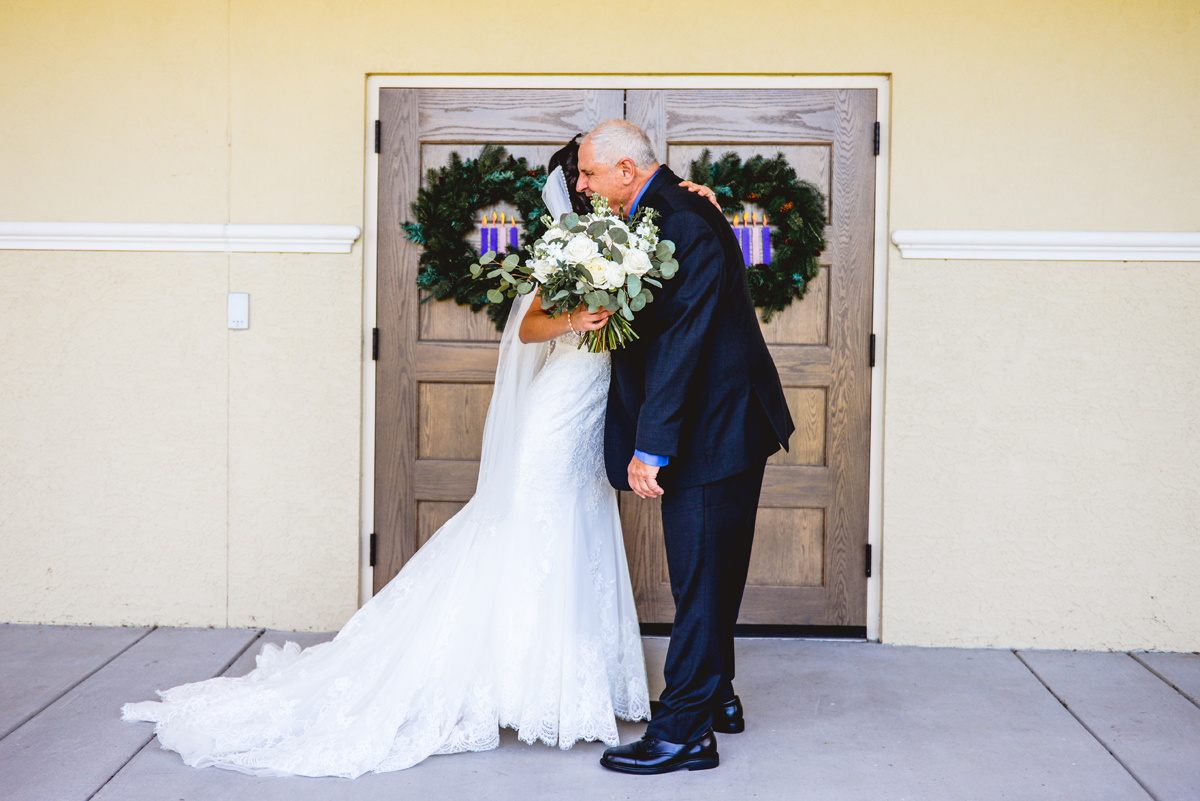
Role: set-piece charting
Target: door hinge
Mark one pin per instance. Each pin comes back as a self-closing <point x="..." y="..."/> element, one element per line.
<point x="876" y="138"/>
<point x="868" y="557"/>
<point x="872" y="350"/>
<point x="375" y="346"/>
<point x="374" y="539"/>
<point x="379" y="136"/>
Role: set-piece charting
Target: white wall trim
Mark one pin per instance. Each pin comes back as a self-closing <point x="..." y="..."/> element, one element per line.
<point x="1050" y="245"/>
<point x="187" y="237"/>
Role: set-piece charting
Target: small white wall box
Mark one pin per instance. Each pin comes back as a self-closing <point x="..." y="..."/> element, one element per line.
<point x="239" y="309"/>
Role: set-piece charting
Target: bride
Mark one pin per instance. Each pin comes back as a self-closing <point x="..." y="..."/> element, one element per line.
<point x="518" y="612"/>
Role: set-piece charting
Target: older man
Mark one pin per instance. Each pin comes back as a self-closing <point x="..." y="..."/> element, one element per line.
<point x="694" y="409"/>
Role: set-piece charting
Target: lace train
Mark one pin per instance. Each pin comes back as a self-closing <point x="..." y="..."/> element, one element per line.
<point x="522" y="617"/>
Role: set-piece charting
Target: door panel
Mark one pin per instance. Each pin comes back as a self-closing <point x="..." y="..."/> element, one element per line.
<point x="437" y="360"/>
<point x="808" y="560"/>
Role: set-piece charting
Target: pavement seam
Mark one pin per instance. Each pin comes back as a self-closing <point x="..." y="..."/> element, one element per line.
<point x="137" y="751"/>
<point x="150" y="739"/>
<point x="1086" y="727"/>
<point x="82" y="679"/>
<point x="1164" y="679"/>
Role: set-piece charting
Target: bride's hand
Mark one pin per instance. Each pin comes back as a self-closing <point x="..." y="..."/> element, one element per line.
<point x="583" y="320"/>
<point x="703" y="191"/>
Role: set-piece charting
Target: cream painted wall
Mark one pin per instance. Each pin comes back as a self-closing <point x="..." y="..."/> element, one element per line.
<point x="113" y="385"/>
<point x="294" y="434"/>
<point x="1043" y="455"/>
<point x="1047" y="115"/>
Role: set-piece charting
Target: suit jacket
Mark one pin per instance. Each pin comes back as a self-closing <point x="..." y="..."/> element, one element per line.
<point x="699" y="386"/>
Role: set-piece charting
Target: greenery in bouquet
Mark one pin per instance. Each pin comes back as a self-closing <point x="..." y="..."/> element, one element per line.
<point x="595" y="260"/>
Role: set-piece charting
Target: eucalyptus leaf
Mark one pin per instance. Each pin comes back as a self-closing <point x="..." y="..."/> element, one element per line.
<point x="476" y="270"/>
<point x="495" y="296"/>
<point x="597" y="228"/>
<point x="622" y="298"/>
<point x="652" y="281"/>
<point x="507" y="276"/>
<point x="637" y="304"/>
<point x="571" y="220"/>
<point x="663" y="252"/>
<point x="646" y="295"/>
<point x="559" y="295"/>
<point x="586" y="275"/>
<point x="512" y="260"/>
<point x="577" y="229"/>
<point x="546" y="302"/>
<point x="494" y="273"/>
<point x="618" y="235"/>
<point x="488" y="258"/>
<point x="614" y="253"/>
<point x="627" y="314"/>
<point x="524" y="288"/>
<point x="634" y="283"/>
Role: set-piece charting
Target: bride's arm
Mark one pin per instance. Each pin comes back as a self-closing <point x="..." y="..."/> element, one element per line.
<point x="538" y="326"/>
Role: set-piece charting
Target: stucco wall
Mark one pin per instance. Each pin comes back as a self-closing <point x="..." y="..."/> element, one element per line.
<point x="1038" y="479"/>
<point x="1042" y="455"/>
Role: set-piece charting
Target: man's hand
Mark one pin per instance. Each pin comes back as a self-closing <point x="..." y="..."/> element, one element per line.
<point x="643" y="479"/>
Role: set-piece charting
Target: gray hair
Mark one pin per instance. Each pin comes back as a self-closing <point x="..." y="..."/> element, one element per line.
<point x="617" y="139"/>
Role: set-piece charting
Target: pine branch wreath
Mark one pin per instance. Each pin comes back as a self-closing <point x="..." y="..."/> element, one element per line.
<point x="795" y="208"/>
<point x="445" y="212"/>
<point x="446" y="208"/>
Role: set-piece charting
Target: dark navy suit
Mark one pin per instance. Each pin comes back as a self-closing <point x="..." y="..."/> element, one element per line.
<point x="700" y="388"/>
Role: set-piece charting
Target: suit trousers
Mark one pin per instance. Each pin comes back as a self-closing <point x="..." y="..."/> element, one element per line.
<point x="708" y="531"/>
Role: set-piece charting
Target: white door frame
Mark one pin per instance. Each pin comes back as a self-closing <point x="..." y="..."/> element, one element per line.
<point x="882" y="83"/>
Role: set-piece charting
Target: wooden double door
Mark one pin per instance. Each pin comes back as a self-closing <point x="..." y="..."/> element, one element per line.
<point x="436" y="361"/>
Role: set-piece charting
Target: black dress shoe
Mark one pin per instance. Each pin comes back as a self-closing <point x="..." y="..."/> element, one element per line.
<point x="728" y="718"/>
<point x="652" y="755"/>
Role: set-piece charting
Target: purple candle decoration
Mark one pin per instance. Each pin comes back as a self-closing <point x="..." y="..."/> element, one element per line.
<point x="744" y="232"/>
<point x="766" y="241"/>
<point x="512" y="237"/>
<point x="483" y="235"/>
<point x="494" y="244"/>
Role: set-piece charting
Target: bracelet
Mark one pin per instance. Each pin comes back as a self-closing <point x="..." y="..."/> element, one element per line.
<point x="570" y="324"/>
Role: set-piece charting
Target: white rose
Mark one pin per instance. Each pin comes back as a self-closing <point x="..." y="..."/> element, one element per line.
<point x="541" y="270"/>
<point x="580" y="249"/>
<point x="554" y="233"/>
<point x="598" y="267"/>
<point x="637" y="262"/>
<point x="614" y="275"/>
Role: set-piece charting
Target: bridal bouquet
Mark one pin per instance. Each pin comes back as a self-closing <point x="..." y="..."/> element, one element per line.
<point x="597" y="260"/>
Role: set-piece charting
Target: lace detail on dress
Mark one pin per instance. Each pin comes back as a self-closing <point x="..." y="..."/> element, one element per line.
<point x="522" y="619"/>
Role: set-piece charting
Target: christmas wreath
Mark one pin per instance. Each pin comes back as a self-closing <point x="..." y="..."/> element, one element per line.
<point x="445" y="212"/>
<point x="795" y="208"/>
<point x="446" y="207"/>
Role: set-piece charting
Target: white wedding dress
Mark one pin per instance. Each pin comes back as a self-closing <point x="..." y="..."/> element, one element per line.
<point x="518" y="612"/>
